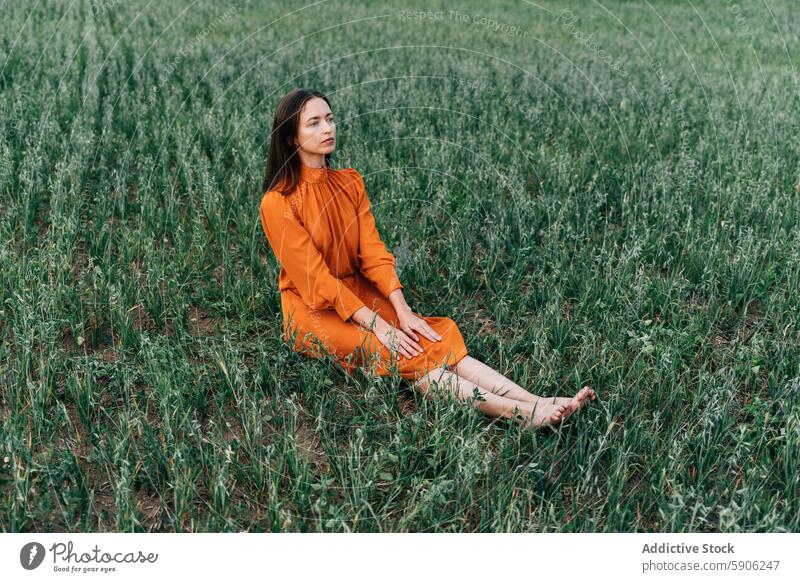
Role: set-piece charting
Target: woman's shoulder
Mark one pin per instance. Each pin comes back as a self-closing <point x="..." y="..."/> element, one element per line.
<point x="273" y="199"/>
<point x="347" y="171"/>
<point x="350" y="176"/>
<point x="344" y="171"/>
<point x="269" y="196"/>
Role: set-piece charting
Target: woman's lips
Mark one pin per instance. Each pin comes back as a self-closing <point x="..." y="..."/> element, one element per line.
<point x="329" y="139"/>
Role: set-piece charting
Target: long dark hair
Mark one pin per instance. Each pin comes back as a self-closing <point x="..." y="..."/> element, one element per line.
<point x="283" y="163"/>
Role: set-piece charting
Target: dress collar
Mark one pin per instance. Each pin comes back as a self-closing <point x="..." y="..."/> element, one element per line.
<point x="313" y="175"/>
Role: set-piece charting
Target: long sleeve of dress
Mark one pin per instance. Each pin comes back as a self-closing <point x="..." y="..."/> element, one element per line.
<point x="375" y="261"/>
<point x="295" y="251"/>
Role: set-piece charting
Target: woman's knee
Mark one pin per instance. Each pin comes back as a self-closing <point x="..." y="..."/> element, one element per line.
<point x="437" y="376"/>
<point x="452" y="327"/>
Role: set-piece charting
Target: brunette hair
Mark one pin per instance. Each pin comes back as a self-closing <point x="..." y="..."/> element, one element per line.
<point x="283" y="164"/>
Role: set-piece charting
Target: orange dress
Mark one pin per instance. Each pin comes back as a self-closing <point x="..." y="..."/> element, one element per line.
<point x="333" y="262"/>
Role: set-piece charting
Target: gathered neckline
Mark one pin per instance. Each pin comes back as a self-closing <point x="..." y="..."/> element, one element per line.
<point x="314" y="175"/>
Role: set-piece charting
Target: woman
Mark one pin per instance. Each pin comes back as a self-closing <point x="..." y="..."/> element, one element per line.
<point x="340" y="293"/>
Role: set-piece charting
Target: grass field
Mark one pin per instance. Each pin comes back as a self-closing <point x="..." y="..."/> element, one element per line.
<point x="596" y="192"/>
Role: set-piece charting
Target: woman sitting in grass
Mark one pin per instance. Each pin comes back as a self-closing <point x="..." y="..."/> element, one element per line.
<point x="340" y="292"/>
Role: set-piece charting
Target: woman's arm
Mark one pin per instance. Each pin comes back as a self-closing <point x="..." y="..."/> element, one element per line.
<point x="374" y="259"/>
<point x="398" y="301"/>
<point x="410" y="322"/>
<point x="372" y="321"/>
<point x="304" y="264"/>
<point x="378" y="264"/>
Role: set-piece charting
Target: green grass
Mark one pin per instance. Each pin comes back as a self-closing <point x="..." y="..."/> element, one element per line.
<point x="625" y="218"/>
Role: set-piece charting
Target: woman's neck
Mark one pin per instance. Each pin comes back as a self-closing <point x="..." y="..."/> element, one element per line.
<point x="312" y="160"/>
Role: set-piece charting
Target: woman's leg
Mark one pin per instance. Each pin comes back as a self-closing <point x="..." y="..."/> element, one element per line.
<point x="535" y="414"/>
<point x="479" y="373"/>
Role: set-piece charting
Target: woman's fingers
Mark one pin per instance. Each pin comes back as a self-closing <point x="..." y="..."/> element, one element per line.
<point x="438" y="337"/>
<point x="425" y="329"/>
<point x="411" y="333"/>
<point x="403" y="350"/>
<point x="397" y="344"/>
<point x="428" y="333"/>
<point x="415" y="345"/>
<point x="406" y="347"/>
<point x="407" y="352"/>
<point x="405" y="336"/>
<point x="416" y="348"/>
<point x="406" y="341"/>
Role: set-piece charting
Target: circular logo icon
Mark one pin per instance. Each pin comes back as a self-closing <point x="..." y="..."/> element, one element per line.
<point x="31" y="555"/>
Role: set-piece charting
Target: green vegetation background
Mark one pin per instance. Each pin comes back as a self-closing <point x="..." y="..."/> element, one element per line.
<point x="596" y="192"/>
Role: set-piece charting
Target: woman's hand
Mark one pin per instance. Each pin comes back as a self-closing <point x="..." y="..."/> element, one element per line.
<point x="411" y="324"/>
<point x="396" y="340"/>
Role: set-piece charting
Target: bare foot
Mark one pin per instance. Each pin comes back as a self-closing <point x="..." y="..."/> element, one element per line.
<point x="545" y="414"/>
<point x="581" y="399"/>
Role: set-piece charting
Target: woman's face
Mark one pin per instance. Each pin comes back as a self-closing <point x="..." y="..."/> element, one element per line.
<point x="316" y="133"/>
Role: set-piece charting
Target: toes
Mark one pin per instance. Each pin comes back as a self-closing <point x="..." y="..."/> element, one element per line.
<point x="552" y="418"/>
<point x="559" y="414"/>
<point x="582" y="396"/>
